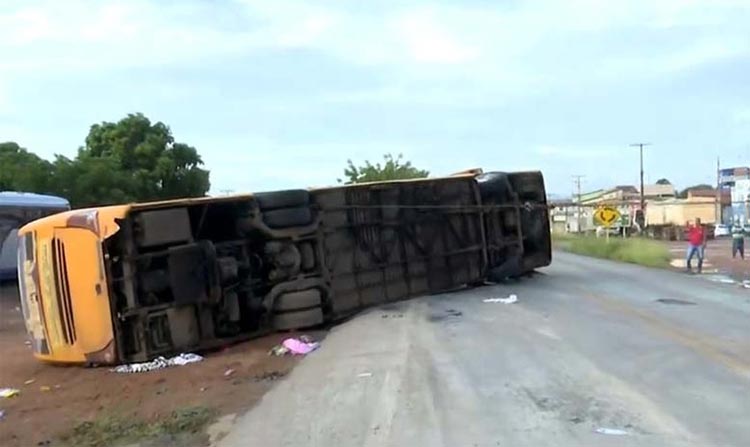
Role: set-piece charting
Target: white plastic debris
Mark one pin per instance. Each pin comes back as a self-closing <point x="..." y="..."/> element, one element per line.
<point x="611" y="431"/>
<point x="9" y="392"/>
<point x="158" y="363"/>
<point x="746" y="284"/>
<point x="362" y="375"/>
<point x="510" y="300"/>
<point x="185" y="358"/>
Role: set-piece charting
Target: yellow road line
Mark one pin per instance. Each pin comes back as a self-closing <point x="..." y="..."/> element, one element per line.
<point x="696" y="342"/>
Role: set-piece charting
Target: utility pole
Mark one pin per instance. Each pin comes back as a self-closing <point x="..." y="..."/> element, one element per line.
<point x="577" y="180"/>
<point x="643" y="198"/>
<point x="718" y="192"/>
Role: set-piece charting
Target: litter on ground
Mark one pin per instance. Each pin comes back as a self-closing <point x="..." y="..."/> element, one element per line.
<point x="510" y="300"/>
<point x="158" y="363"/>
<point x="29" y="382"/>
<point x="364" y="375"/>
<point x="278" y="351"/>
<point x="2" y="415"/>
<point x="299" y="347"/>
<point x="9" y="392"/>
<point x="228" y="372"/>
<point x="611" y="431"/>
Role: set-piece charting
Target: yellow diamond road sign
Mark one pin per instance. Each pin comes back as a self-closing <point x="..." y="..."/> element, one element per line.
<point x="606" y="216"/>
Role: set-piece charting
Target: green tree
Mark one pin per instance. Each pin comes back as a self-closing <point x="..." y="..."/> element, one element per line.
<point x="393" y="168"/>
<point x="21" y="170"/>
<point x="663" y="181"/>
<point x="148" y="164"/>
<point x="130" y="160"/>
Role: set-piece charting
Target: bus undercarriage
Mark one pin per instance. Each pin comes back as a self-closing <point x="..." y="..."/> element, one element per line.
<point x="204" y="274"/>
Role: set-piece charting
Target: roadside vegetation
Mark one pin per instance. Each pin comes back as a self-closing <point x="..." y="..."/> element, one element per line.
<point x="109" y="430"/>
<point x="633" y="250"/>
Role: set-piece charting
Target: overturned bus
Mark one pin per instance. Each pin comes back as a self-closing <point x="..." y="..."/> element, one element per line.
<point x="132" y="282"/>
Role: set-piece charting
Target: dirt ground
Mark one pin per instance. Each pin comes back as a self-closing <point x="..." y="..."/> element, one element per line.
<point x="718" y="258"/>
<point x="76" y="394"/>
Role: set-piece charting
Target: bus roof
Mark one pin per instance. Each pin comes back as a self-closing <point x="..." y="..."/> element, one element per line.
<point x="31" y="200"/>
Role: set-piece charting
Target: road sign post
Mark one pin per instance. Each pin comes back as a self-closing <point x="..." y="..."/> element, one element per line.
<point x="606" y="216"/>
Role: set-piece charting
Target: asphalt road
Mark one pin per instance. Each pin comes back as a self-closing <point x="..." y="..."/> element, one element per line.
<point x="587" y="346"/>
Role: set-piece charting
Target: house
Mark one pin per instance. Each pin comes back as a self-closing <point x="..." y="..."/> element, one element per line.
<point x="680" y="212"/>
<point x="659" y="191"/>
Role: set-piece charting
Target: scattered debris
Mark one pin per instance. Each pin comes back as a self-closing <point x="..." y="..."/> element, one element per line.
<point x="269" y="376"/>
<point x="675" y="301"/>
<point x="577" y="420"/>
<point x="367" y="374"/>
<point x="44" y="388"/>
<point x="304" y="344"/>
<point x="203" y="389"/>
<point x="510" y="300"/>
<point x="158" y="363"/>
<point x="454" y="312"/>
<point x="29" y="382"/>
<point x="27" y="343"/>
<point x="721" y="278"/>
<point x="2" y="415"/>
<point x="9" y="392"/>
<point x="278" y="351"/>
<point x="611" y="431"/>
<point x="297" y="346"/>
<point x="228" y="372"/>
<point x="746" y="283"/>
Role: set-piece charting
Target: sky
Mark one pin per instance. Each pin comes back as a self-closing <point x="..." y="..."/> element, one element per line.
<point x="279" y="94"/>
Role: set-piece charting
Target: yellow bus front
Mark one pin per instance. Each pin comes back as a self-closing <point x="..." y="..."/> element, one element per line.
<point x="63" y="286"/>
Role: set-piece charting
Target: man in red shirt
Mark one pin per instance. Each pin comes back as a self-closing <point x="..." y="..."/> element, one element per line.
<point x="696" y="235"/>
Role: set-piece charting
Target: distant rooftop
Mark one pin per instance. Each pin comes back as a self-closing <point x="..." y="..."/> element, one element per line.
<point x="13" y="198"/>
<point x="659" y="191"/>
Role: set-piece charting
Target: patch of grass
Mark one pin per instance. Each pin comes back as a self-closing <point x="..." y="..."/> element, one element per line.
<point x="116" y="430"/>
<point x="633" y="250"/>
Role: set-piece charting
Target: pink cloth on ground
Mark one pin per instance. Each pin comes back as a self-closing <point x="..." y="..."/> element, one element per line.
<point x="299" y="347"/>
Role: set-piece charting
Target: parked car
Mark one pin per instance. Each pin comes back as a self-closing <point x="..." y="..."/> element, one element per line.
<point x="722" y="230"/>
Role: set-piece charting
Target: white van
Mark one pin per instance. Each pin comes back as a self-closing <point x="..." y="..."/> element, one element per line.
<point x="16" y="210"/>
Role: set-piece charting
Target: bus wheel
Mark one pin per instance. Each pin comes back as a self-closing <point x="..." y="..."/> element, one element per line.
<point x="288" y="217"/>
<point x="292" y="198"/>
<point x="304" y="299"/>
<point x="298" y="320"/>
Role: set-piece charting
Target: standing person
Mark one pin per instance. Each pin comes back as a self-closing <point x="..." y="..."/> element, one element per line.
<point x="696" y="244"/>
<point x="738" y="240"/>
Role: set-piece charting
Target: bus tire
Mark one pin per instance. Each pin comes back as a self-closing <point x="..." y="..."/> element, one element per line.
<point x="291" y="198"/>
<point x="304" y="299"/>
<point x="307" y="252"/>
<point x="298" y="320"/>
<point x="495" y="187"/>
<point x="288" y="217"/>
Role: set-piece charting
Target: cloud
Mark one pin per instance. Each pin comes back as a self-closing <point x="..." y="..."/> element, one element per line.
<point x="310" y="83"/>
<point x="428" y="41"/>
<point x="741" y="116"/>
<point x="574" y="152"/>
